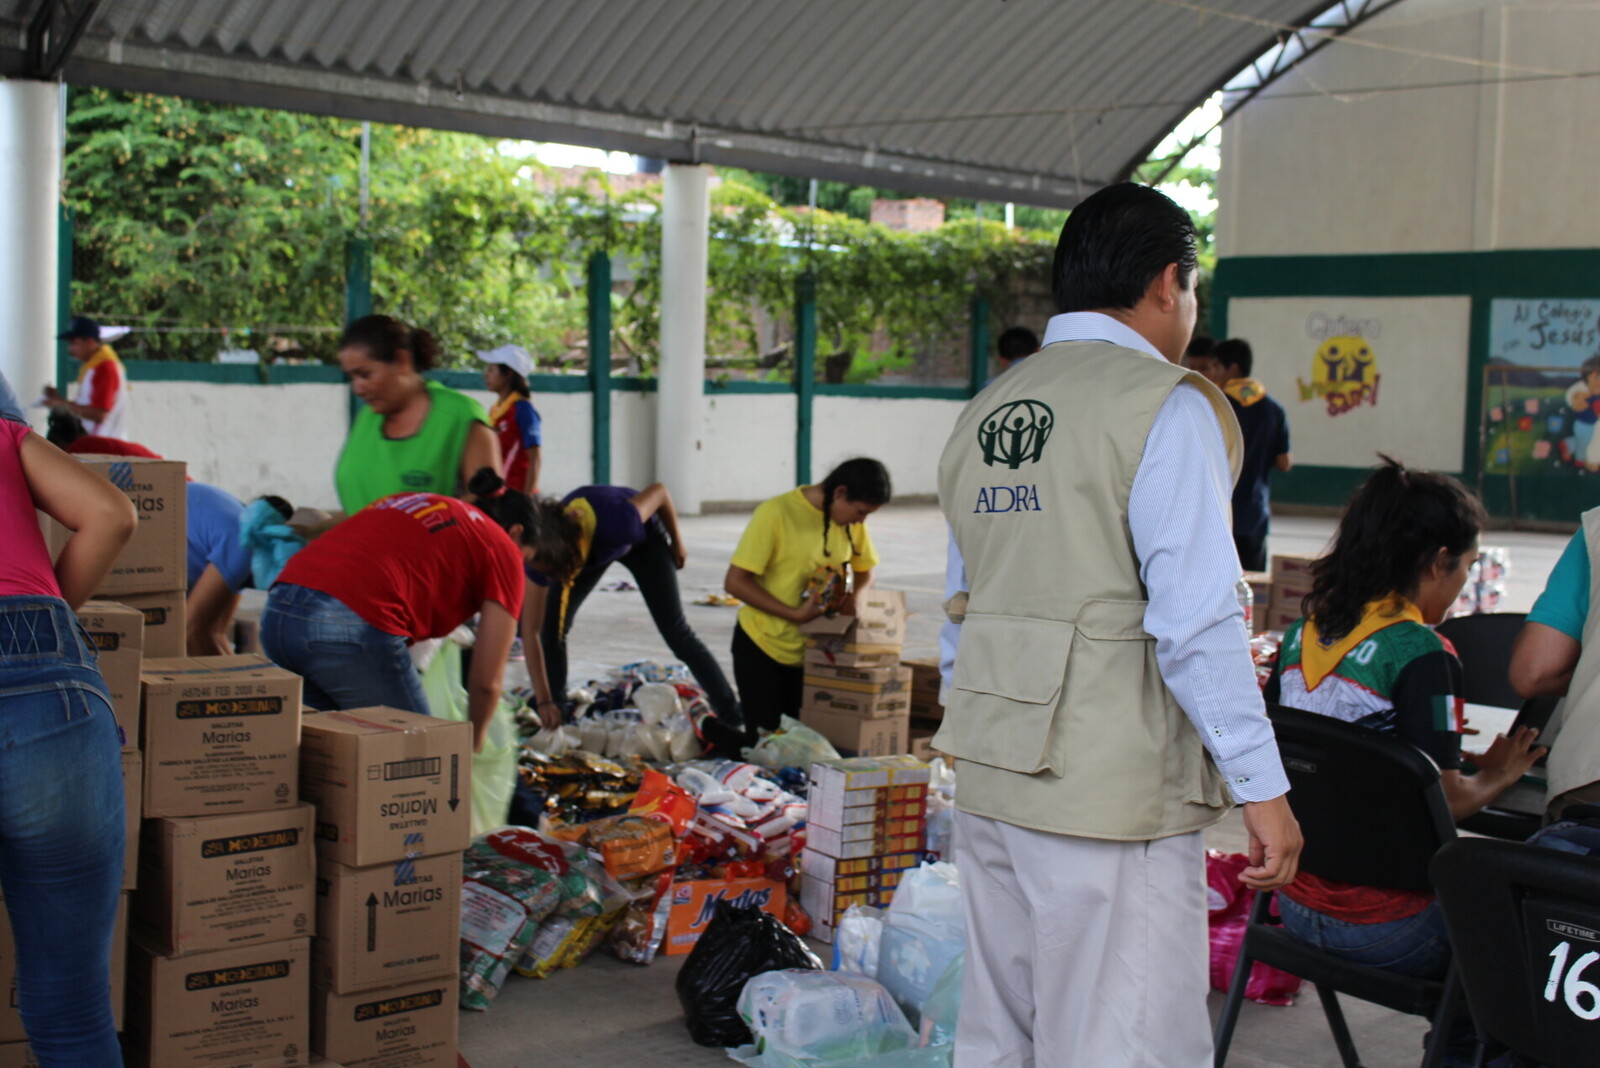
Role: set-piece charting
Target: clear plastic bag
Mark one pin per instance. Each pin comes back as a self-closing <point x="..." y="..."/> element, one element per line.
<point x="857" y="939"/>
<point x="924" y="931"/>
<point x="494" y="768"/>
<point x="792" y="745"/>
<point x="821" y="1017"/>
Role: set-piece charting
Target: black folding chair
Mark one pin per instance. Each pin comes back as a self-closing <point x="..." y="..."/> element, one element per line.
<point x="1525" y="923"/>
<point x="1373" y="813"/>
<point x="1484" y="644"/>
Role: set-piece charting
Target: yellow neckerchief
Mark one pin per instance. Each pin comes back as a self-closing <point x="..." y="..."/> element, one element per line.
<point x="503" y="406"/>
<point x="583" y="512"/>
<point x="1246" y="391"/>
<point x="1318" y="660"/>
<point x="103" y="354"/>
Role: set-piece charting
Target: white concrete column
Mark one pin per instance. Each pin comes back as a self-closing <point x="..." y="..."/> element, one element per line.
<point x="30" y="191"/>
<point x="680" y="379"/>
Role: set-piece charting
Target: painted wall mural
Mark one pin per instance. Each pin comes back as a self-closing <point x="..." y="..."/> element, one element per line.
<point x="1542" y="387"/>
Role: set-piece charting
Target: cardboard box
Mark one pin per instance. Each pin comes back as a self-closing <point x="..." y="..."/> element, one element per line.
<point x="247" y="1007"/>
<point x="1288" y="567"/>
<point x="821" y="694"/>
<point x="883" y="735"/>
<point x="132" y="804"/>
<point x="880" y="620"/>
<point x="891" y="679"/>
<point x="925" y="677"/>
<point x="388" y="924"/>
<point x="117" y="633"/>
<point x="221" y="735"/>
<point x="17" y="1055"/>
<point x="11" y="1030"/>
<point x="155" y="558"/>
<point x="410" y="1026"/>
<point x="1279" y="618"/>
<point x="694" y="902"/>
<point x="835" y="653"/>
<point x="218" y="882"/>
<point x="842" y="791"/>
<point x="387" y="784"/>
<point x="922" y="744"/>
<point x="166" y="621"/>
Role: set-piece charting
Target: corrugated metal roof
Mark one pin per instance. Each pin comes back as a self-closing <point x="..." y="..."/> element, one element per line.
<point x="1038" y="101"/>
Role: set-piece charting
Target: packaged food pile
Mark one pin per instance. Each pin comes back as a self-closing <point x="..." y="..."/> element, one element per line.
<point x="1486" y="582"/>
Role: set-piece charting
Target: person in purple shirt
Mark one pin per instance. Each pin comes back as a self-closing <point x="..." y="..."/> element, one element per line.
<point x="595" y="527"/>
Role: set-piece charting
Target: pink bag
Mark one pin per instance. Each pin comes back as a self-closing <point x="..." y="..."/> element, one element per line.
<point x="1229" y="902"/>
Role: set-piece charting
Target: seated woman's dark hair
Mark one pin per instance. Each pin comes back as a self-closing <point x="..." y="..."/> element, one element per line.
<point x="1389" y="534"/>
<point x="864" y="481"/>
<point x="64" y="428"/>
<point x="546" y="526"/>
<point x="384" y="336"/>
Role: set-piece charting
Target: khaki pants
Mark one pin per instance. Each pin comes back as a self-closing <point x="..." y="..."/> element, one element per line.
<point x="1583" y="795"/>
<point x="1081" y="952"/>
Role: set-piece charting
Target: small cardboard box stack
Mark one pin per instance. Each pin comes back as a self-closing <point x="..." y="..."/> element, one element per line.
<point x="856" y="693"/>
<point x="220" y="968"/>
<point x="927" y="712"/>
<point x="867" y="819"/>
<point x="393" y="797"/>
<point x="151" y="572"/>
<point x="1291" y="582"/>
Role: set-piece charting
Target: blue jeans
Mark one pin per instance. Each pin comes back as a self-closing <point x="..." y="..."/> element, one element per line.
<point x="345" y="661"/>
<point x="1417" y="946"/>
<point x="61" y="831"/>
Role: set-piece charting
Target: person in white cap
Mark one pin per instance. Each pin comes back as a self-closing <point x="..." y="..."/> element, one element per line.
<point x="514" y="418"/>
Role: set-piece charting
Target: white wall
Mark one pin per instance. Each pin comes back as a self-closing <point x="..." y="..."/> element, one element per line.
<point x="1320" y="164"/>
<point x="906" y="435"/>
<point x="253" y="439"/>
<point x="248" y="440"/>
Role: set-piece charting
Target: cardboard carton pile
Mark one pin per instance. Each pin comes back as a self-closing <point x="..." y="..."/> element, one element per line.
<point x="219" y="966"/>
<point x="857" y="694"/>
<point x="927" y="711"/>
<point x="867" y="819"/>
<point x="392" y="792"/>
<point x="1291" y="582"/>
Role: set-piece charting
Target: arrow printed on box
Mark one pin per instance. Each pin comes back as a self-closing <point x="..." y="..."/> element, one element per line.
<point x="372" y="923"/>
<point x="455" y="772"/>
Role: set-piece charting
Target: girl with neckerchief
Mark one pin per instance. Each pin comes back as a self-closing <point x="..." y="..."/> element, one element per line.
<point x="514" y="418"/>
<point x="793" y="563"/>
<point x="1365" y="653"/>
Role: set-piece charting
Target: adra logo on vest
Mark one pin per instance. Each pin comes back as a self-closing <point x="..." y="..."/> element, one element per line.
<point x="992" y="499"/>
<point x="1015" y="434"/>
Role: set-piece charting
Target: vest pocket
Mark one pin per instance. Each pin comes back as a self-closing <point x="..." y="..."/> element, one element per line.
<point x="1008" y="679"/>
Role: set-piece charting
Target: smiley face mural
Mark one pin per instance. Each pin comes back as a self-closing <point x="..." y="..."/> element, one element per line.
<point x="1344" y="373"/>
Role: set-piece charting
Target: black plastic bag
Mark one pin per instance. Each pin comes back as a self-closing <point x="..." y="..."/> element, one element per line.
<point x="738" y="944"/>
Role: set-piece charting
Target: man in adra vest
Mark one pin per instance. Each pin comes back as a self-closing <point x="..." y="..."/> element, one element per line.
<point x="1103" y="708"/>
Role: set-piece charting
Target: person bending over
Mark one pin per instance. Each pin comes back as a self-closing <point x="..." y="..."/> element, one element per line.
<point x="346" y="608"/>
<point x="579" y="539"/>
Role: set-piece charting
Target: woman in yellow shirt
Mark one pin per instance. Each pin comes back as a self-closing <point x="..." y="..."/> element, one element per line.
<point x="799" y="547"/>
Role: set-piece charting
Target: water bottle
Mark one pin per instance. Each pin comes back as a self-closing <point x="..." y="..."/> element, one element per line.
<point x="1247" y="603"/>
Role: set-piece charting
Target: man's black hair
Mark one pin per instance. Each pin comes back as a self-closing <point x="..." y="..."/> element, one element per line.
<point x="1116" y="243"/>
<point x="1235" y="353"/>
<point x="1200" y="345"/>
<point x="64" y="428"/>
<point x="1017" y="343"/>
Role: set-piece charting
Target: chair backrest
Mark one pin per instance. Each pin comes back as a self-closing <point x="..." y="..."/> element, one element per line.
<point x="1484" y="645"/>
<point x="1370" y="804"/>
<point x="1525" y="924"/>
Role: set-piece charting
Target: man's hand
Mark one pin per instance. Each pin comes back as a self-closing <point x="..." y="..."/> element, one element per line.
<point x="1275" y="844"/>
<point x="53" y="396"/>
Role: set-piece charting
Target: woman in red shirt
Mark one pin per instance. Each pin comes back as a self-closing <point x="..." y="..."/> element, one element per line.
<point x="61" y="806"/>
<point x="346" y="609"/>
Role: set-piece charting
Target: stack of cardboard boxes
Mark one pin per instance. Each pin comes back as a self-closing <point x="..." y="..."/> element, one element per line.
<point x="1291" y="582"/>
<point x="866" y="821"/>
<point x="927" y="711"/>
<point x="393" y="793"/>
<point x="857" y="695"/>
<point x="219" y="967"/>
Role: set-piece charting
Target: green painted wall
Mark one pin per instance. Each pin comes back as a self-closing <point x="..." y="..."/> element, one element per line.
<point x="1480" y="276"/>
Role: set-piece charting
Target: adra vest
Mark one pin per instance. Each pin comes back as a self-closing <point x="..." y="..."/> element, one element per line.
<point x="1057" y="714"/>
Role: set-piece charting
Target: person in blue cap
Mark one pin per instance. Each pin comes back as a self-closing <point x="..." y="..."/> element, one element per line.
<point x="99" y="396"/>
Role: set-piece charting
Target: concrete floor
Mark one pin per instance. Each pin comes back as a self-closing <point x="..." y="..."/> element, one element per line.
<point x="610" y="1013"/>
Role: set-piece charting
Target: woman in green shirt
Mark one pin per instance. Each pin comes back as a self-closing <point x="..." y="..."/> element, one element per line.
<point x="413" y="434"/>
